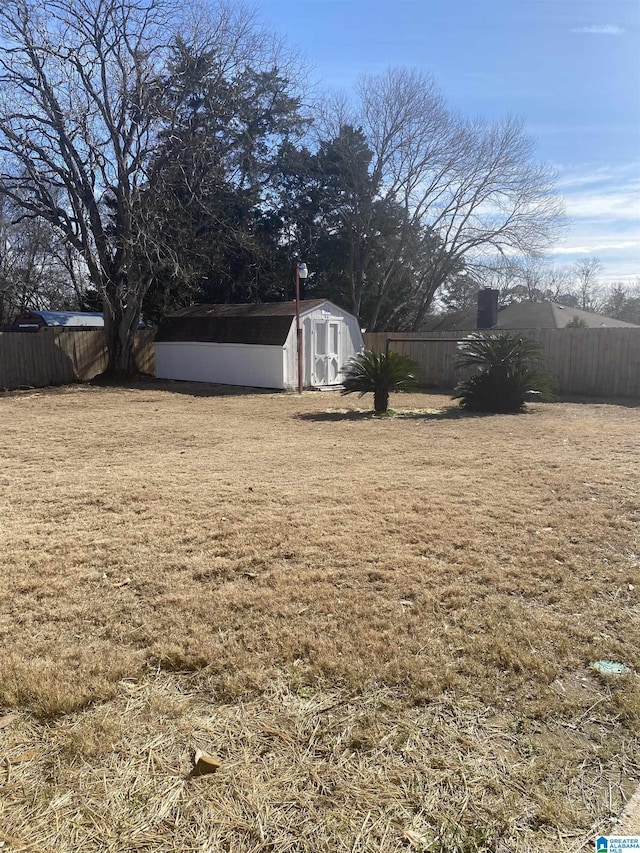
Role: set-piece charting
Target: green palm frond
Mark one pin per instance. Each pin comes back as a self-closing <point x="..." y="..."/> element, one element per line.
<point x="379" y="374"/>
<point x="488" y="351"/>
<point x="508" y="373"/>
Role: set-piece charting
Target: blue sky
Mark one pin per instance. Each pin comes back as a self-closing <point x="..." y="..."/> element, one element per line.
<point x="569" y="68"/>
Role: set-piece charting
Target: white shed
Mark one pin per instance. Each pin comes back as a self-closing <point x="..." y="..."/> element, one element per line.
<point x="255" y="344"/>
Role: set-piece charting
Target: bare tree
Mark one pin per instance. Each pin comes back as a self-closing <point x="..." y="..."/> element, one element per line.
<point x="557" y="282"/>
<point x="38" y="269"/>
<point x="78" y="113"/>
<point x="587" y="287"/>
<point x="518" y="278"/>
<point x="88" y="96"/>
<point x="475" y="189"/>
<point x="527" y="278"/>
<point x="534" y="279"/>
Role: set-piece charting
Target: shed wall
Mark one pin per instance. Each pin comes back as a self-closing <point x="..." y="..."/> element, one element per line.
<point x="350" y="343"/>
<point x="265" y="366"/>
<point x="228" y="364"/>
<point x="290" y="360"/>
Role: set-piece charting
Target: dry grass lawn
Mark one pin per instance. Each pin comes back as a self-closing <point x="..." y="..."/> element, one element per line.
<point x="383" y="627"/>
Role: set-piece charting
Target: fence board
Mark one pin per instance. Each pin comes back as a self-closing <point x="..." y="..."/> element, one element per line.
<point x="589" y="362"/>
<point x="586" y="362"/>
<point x="55" y="356"/>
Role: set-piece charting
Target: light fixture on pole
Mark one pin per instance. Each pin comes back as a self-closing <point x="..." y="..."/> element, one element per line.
<point x="301" y="272"/>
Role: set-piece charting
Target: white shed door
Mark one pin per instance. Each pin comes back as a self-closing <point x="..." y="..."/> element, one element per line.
<point x="326" y="353"/>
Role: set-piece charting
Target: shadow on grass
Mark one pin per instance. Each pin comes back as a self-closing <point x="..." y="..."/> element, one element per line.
<point x="191" y="389"/>
<point x="626" y="402"/>
<point x="450" y="413"/>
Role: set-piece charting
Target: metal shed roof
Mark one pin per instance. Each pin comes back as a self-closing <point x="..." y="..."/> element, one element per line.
<point x="265" y="323"/>
<point x="67" y="318"/>
<point x="76" y="319"/>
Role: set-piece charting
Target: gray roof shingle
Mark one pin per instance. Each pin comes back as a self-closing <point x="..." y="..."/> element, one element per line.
<point x="265" y="323"/>
<point x="532" y="315"/>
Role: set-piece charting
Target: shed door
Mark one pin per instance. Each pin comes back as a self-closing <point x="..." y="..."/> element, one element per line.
<point x="326" y="353"/>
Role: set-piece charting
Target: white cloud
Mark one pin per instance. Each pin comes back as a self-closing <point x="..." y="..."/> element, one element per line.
<point x="596" y="246"/>
<point x="604" y="194"/>
<point x="601" y="30"/>
<point x="621" y="174"/>
<point x="603" y="205"/>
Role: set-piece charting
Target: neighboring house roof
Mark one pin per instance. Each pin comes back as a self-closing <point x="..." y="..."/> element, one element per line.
<point x="64" y="318"/>
<point x="266" y="323"/>
<point x="78" y="319"/>
<point x="532" y="315"/>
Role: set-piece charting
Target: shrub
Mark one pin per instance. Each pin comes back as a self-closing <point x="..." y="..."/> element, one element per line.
<point x="577" y="323"/>
<point x="379" y="373"/>
<point x="508" y="373"/>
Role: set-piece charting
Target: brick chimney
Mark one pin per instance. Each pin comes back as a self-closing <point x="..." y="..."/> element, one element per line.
<point x="487" y="308"/>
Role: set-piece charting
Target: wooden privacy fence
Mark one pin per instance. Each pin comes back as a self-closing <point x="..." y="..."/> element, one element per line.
<point x="56" y="356"/>
<point x="588" y="362"/>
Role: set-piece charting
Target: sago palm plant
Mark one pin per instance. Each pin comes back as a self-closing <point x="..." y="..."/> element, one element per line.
<point x="379" y="373"/>
<point x="508" y="373"/>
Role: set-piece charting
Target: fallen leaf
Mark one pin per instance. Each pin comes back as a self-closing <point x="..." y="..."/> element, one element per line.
<point x="204" y="763"/>
<point x="25" y="756"/>
<point x="7" y="720"/>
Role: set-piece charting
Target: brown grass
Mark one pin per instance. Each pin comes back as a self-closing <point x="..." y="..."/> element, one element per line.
<point x="382" y="626"/>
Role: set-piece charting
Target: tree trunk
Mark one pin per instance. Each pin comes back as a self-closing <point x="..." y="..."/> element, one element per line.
<point x="373" y="320"/>
<point x="121" y="362"/>
<point x="119" y="328"/>
<point x="380" y="401"/>
<point x="435" y="281"/>
<point x="357" y="277"/>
